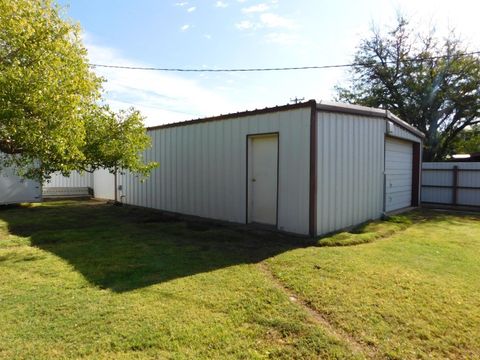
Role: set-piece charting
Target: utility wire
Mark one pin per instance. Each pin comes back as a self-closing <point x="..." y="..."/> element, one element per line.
<point x="267" y="69"/>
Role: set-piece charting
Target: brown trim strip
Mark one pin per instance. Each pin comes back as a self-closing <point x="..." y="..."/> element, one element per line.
<point x="451" y="169"/>
<point x="313" y="170"/>
<point x="416" y="174"/>
<point x="236" y="115"/>
<point x="452" y="187"/>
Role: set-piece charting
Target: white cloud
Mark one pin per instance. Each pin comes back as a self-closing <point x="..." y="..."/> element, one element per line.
<point x="271" y="20"/>
<point x="182" y="3"/>
<point x="256" y="8"/>
<point x="185" y="27"/>
<point x="162" y="97"/>
<point x="267" y="21"/>
<point x="221" y="4"/>
<point x="207" y="36"/>
<point x="191" y="9"/>
<point x="245" y="25"/>
<point x="281" y="38"/>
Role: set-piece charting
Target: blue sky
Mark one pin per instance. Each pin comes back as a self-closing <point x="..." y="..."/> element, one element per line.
<point x="238" y="33"/>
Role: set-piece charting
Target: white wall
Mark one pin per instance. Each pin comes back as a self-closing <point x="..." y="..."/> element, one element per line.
<point x="14" y="190"/>
<point x="350" y="166"/>
<point x="75" y="180"/>
<point x="103" y="185"/>
<point x="101" y="181"/>
<point x="203" y="168"/>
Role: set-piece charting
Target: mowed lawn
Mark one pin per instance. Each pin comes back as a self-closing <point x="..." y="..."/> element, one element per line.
<point x="91" y="280"/>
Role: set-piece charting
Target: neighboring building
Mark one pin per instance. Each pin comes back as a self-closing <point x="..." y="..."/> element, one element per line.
<point x="309" y="168"/>
<point x="15" y="190"/>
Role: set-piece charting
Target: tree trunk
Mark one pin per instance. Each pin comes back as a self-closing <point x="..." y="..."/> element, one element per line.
<point x="115" y="187"/>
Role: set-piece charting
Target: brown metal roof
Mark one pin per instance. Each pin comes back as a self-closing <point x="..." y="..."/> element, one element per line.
<point x="237" y="115"/>
<point x="322" y="106"/>
<point x="368" y="111"/>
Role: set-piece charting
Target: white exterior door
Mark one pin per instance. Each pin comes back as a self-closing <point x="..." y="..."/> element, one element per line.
<point x="262" y="178"/>
<point x="398" y="174"/>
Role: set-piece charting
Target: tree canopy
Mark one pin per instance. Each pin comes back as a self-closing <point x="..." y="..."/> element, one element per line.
<point x="50" y="99"/>
<point x="114" y="140"/>
<point x="432" y="83"/>
<point x="467" y="141"/>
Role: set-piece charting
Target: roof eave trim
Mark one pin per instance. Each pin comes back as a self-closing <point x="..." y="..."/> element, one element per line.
<point x="266" y="110"/>
<point x="404" y="124"/>
<point x="365" y="111"/>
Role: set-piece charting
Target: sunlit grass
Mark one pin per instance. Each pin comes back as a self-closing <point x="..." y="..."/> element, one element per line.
<point x="412" y="293"/>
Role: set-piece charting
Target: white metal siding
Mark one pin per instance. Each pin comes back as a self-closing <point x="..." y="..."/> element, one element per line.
<point x="103" y="184"/>
<point x="203" y="166"/>
<point x="350" y="170"/>
<point x="14" y="190"/>
<point x="400" y="132"/>
<point x="75" y="180"/>
<point x="398" y="174"/>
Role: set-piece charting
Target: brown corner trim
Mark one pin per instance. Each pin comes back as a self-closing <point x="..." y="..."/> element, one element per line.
<point x="416" y="174"/>
<point x="313" y="170"/>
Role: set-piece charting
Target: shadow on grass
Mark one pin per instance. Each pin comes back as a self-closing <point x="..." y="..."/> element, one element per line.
<point x="127" y="248"/>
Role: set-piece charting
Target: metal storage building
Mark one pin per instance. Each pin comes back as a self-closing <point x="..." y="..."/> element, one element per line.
<point x="15" y="190"/>
<point x="308" y="168"/>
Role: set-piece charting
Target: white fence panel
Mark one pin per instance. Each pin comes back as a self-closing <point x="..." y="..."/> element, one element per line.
<point x="74" y="180"/>
<point x="451" y="183"/>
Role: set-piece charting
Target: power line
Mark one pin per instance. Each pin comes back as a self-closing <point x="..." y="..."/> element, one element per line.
<point x="297" y="100"/>
<point x="319" y="67"/>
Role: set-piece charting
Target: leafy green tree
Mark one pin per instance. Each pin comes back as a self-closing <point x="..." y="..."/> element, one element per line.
<point x="115" y="141"/>
<point x="467" y="141"/>
<point x="432" y="84"/>
<point x="49" y="97"/>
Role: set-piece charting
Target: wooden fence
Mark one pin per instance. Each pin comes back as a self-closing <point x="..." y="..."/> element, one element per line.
<point x="451" y="183"/>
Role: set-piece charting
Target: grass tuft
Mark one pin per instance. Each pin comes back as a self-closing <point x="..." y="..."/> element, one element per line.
<point x="369" y="231"/>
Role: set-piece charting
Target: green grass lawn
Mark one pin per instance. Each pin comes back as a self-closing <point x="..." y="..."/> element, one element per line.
<point x="90" y="280"/>
<point x="413" y="294"/>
